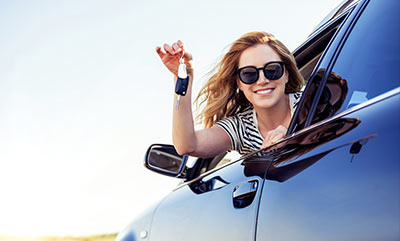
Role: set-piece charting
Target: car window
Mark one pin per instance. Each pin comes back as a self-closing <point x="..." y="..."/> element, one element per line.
<point x="198" y="166"/>
<point x="369" y="59"/>
<point x="230" y="156"/>
<point x="330" y="101"/>
<point x="221" y="160"/>
<point x="365" y="67"/>
<point x="308" y="54"/>
<point x="307" y="57"/>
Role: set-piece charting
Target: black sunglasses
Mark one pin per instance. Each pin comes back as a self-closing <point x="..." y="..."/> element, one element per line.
<point x="272" y="71"/>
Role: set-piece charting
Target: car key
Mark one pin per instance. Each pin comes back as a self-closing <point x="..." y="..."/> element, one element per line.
<point x="182" y="82"/>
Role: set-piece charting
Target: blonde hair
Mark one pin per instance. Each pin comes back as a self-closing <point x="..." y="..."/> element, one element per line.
<point x="221" y="95"/>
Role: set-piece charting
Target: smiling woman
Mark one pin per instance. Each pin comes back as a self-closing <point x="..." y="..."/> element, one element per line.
<point x="244" y="110"/>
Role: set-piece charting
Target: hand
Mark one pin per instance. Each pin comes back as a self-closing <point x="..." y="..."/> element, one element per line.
<point x="274" y="136"/>
<point x="172" y="53"/>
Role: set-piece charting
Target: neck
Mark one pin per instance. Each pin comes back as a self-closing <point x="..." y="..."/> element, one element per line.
<point x="270" y="118"/>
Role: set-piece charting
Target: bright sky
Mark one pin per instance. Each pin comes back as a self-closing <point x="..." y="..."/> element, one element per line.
<point x="83" y="94"/>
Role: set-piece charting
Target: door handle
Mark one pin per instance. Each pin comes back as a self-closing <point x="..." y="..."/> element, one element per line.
<point x="244" y="193"/>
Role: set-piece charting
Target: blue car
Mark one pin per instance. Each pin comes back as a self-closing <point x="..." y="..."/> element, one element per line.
<point x="335" y="176"/>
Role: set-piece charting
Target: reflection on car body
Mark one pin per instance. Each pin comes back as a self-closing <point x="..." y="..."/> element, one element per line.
<point x="297" y="146"/>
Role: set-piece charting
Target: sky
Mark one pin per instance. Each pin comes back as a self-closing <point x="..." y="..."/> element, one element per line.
<point x="83" y="94"/>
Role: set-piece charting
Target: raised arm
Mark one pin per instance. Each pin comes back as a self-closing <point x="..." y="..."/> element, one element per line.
<point x="202" y="143"/>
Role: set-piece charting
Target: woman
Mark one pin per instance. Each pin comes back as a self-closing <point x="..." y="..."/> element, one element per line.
<point x="249" y="100"/>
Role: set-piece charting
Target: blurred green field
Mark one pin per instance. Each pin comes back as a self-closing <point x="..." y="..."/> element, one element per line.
<point x="104" y="237"/>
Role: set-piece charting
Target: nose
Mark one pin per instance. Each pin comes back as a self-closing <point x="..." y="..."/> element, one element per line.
<point x="262" y="79"/>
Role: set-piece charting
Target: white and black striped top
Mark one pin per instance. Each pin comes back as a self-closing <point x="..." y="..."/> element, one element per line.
<point x="242" y="128"/>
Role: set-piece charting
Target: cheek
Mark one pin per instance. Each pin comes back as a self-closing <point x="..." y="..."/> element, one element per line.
<point x="284" y="80"/>
<point x="248" y="97"/>
<point x="239" y="84"/>
<point x="286" y="75"/>
<point x="244" y="88"/>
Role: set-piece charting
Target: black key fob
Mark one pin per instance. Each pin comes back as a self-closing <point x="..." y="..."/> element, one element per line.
<point x="183" y="80"/>
<point x="181" y="86"/>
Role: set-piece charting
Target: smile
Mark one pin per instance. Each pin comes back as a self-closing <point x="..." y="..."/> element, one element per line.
<point x="263" y="91"/>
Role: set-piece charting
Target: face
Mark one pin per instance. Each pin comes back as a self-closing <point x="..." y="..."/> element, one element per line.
<point x="264" y="93"/>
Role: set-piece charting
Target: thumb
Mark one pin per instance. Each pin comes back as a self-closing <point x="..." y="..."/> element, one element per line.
<point x="265" y="144"/>
<point x="160" y="52"/>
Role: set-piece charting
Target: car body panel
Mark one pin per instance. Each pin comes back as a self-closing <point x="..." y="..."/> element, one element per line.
<point x="185" y="212"/>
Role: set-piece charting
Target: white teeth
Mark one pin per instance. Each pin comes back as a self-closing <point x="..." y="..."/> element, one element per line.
<point x="264" y="91"/>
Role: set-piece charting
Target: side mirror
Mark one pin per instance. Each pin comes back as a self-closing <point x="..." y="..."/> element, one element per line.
<point x="164" y="159"/>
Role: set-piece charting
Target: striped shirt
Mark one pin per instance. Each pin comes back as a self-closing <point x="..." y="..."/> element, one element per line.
<point x="242" y="128"/>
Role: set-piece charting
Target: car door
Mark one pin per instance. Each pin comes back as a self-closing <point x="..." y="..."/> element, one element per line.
<point x="221" y="204"/>
<point x="339" y="178"/>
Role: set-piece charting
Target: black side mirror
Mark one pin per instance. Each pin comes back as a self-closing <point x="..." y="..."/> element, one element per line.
<point x="164" y="159"/>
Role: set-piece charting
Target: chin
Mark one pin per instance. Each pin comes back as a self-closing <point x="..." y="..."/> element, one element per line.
<point x="265" y="104"/>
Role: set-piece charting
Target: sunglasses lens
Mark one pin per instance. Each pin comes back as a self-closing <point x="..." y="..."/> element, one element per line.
<point x="273" y="71"/>
<point x="248" y="75"/>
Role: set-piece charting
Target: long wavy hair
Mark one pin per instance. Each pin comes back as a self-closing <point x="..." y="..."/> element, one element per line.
<point x="221" y="95"/>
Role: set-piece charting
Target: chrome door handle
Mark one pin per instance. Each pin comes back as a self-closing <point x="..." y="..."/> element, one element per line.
<point x="244" y="193"/>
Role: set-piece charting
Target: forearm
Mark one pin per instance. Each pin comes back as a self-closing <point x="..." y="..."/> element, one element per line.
<point x="186" y="140"/>
<point x="183" y="133"/>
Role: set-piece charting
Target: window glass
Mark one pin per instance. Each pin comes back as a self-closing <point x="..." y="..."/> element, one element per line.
<point x="206" y="164"/>
<point x="370" y="57"/>
<point x="331" y="99"/>
<point x="308" y="57"/>
<point x="230" y="156"/>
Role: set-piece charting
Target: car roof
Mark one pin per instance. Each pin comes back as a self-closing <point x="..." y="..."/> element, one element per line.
<point x="336" y="12"/>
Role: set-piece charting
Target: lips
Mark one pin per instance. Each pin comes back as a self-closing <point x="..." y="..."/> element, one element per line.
<point x="264" y="91"/>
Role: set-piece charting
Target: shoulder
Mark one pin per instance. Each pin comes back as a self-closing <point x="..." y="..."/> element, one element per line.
<point x="247" y="114"/>
<point x="296" y="95"/>
<point x="237" y="124"/>
<point x="294" y="98"/>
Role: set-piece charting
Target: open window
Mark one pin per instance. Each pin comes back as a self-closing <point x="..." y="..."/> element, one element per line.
<point x="307" y="57"/>
<point x="202" y="165"/>
<point x="309" y="53"/>
<point x="357" y="72"/>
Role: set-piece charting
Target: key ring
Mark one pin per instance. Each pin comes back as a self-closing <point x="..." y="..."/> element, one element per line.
<point x="182" y="72"/>
<point x="181" y="60"/>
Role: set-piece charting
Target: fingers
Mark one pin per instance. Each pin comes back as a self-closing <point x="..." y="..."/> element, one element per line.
<point x="168" y="49"/>
<point x="270" y="141"/>
<point x="170" y="55"/>
<point x="275" y="139"/>
<point x="173" y="49"/>
<point x="176" y="49"/>
<point x="265" y="143"/>
<point x="160" y="52"/>
<point x="274" y="136"/>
